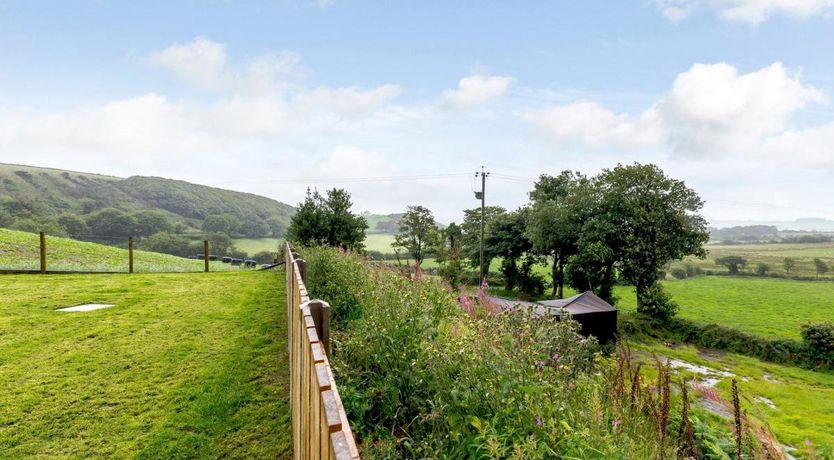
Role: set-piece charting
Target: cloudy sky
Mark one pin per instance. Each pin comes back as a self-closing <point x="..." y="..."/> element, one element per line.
<point x="400" y="102"/>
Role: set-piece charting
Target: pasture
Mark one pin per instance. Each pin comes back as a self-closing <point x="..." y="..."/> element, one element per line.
<point x="797" y="404"/>
<point x="253" y="246"/>
<point x="769" y="307"/>
<point x="183" y="366"/>
<point x="771" y="254"/>
<point x="20" y="251"/>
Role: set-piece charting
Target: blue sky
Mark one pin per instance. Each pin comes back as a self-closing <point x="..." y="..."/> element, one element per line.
<point x="733" y="96"/>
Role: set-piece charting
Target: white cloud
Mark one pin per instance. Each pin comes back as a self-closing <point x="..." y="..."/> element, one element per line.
<point x="749" y="11"/>
<point x="200" y="61"/>
<point x="711" y="109"/>
<point x="475" y="90"/>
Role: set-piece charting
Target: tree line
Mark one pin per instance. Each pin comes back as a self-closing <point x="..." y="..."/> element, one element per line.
<point x="624" y="224"/>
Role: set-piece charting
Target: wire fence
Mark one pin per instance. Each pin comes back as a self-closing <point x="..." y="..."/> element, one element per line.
<point x="39" y="253"/>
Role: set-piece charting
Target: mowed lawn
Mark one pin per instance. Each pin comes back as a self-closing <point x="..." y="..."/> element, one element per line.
<point x="185" y="365"/>
<point x="768" y="307"/>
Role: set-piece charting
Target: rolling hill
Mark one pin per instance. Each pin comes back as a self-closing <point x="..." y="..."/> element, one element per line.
<point x="28" y="192"/>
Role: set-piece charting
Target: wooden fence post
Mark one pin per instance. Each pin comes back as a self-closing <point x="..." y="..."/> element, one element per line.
<point x="206" y="254"/>
<point x="302" y="270"/>
<point x="130" y="254"/>
<point x="43" y="252"/>
<point x="320" y="311"/>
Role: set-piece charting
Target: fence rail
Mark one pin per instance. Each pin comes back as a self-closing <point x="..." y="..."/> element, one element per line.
<point x="319" y="423"/>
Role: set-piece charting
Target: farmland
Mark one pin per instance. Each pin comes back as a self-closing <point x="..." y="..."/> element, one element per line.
<point x="20" y="251"/>
<point x="772" y="254"/>
<point x="184" y="365"/>
<point x="253" y="246"/>
<point x="768" y="307"/>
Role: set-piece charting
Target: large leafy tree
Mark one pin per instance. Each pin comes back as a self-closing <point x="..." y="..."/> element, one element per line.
<point x="651" y="219"/>
<point x="448" y="254"/>
<point x="471" y="234"/>
<point x="327" y="221"/>
<point x="560" y="206"/>
<point x="111" y="222"/>
<point x="418" y="233"/>
<point x="507" y="239"/>
<point x="150" y="222"/>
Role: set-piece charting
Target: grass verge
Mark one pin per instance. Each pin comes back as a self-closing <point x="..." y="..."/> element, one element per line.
<point x="185" y="365"/>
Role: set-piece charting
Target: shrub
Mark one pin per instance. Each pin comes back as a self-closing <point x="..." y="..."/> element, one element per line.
<point x="762" y="269"/>
<point x="657" y="304"/>
<point x="819" y="338"/>
<point x="679" y="273"/>
<point x="422" y="378"/>
<point x="693" y="270"/>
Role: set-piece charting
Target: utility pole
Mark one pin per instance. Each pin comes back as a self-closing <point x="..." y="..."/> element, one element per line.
<point x="482" y="195"/>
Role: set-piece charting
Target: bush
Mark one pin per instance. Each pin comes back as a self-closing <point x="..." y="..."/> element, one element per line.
<point x="819" y="338"/>
<point x="657" y="304"/>
<point x="420" y="377"/>
<point x="693" y="270"/>
<point x="679" y="273"/>
<point x="762" y="269"/>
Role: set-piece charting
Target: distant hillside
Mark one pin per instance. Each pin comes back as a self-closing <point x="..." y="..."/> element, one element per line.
<point x="383" y="223"/>
<point x="42" y="195"/>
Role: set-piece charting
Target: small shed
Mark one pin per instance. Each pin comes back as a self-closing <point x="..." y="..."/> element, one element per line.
<point x="595" y="316"/>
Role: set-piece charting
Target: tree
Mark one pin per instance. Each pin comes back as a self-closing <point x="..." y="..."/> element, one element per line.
<point x="418" y="233"/>
<point x="762" y="268"/>
<point x="733" y="263"/>
<point x="448" y="255"/>
<point x="507" y="239"/>
<point x="219" y="243"/>
<point x="560" y="206"/>
<point x="111" y="222"/>
<point x="74" y="225"/>
<point x="36" y="225"/>
<point x="788" y="264"/>
<point x="277" y="228"/>
<point x="150" y="222"/>
<point x="166" y="243"/>
<point x="651" y="220"/>
<point x="327" y="221"/>
<point x="221" y="223"/>
<point x="253" y="227"/>
<point x="471" y="234"/>
<point x="820" y="266"/>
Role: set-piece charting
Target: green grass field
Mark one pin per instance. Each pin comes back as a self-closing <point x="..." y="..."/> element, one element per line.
<point x="184" y="366"/>
<point x="767" y="307"/>
<point x="21" y="251"/>
<point x="803" y="400"/>
<point x="254" y="245"/>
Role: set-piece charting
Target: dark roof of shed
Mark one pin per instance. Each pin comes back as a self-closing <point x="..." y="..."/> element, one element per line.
<point x="587" y="302"/>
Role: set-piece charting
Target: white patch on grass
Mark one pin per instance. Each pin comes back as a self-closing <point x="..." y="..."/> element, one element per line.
<point x="711" y="376"/>
<point x="87" y="307"/>
<point x="766" y="401"/>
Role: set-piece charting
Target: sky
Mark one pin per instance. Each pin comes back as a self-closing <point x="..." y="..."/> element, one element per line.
<point x="401" y="102"/>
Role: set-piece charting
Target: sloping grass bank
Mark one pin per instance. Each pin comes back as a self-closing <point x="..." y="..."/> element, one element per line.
<point x="184" y="366"/>
<point x="21" y="251"/>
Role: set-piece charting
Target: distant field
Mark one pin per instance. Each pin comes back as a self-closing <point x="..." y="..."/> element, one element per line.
<point x="183" y="366"/>
<point x="21" y="251"/>
<point x="771" y="254"/>
<point x="803" y="401"/>
<point x="255" y="245"/>
<point x="768" y="307"/>
<point x="379" y="242"/>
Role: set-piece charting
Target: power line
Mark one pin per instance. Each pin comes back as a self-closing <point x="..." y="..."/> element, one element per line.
<point x="414" y="177"/>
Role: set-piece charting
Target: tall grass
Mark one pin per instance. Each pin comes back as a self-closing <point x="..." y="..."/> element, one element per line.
<point x="422" y="377"/>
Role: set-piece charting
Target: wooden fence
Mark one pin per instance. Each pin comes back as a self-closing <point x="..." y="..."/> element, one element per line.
<point x="319" y="423"/>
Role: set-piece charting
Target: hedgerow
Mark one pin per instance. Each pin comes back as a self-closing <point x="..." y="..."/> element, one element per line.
<point x="424" y="373"/>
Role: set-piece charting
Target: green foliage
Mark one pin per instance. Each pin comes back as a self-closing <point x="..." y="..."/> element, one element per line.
<point x="150" y="222"/>
<point x="657" y="304"/>
<point x="820" y="266"/>
<point x="418" y="233"/>
<point x="220" y="223"/>
<point x="819" y="338"/>
<point x="75" y="226"/>
<point x="733" y="263"/>
<point x="111" y="222"/>
<point x="29" y="192"/>
<point x="762" y="269"/>
<point x="37" y="225"/>
<point x="166" y="243"/>
<point x="471" y="233"/>
<point x="420" y="378"/>
<point x="788" y="264"/>
<point x="679" y="273"/>
<point x="184" y="366"/>
<point x="327" y="221"/>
